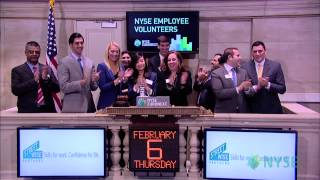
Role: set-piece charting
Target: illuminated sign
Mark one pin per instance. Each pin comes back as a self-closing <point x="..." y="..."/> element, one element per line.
<point x="61" y="152"/>
<point x="266" y="154"/>
<point x="181" y="27"/>
<point x="154" y="148"/>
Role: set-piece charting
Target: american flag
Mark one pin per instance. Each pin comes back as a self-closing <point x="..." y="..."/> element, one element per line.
<point x="52" y="52"/>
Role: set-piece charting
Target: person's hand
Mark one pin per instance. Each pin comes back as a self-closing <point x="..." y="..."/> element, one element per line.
<point x="128" y="73"/>
<point x="44" y="72"/>
<point x="84" y="80"/>
<point x="172" y="78"/>
<point x="120" y="74"/>
<point x="245" y="85"/>
<point x="147" y="88"/>
<point x="263" y="82"/>
<point x="202" y="75"/>
<point x="184" y="78"/>
<point x="119" y="79"/>
<point x="95" y="75"/>
<point x="136" y="87"/>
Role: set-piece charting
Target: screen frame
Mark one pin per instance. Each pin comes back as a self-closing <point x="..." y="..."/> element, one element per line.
<point x="233" y="129"/>
<point x="196" y="51"/>
<point x="62" y="128"/>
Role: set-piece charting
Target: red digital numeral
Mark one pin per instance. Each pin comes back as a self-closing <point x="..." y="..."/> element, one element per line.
<point x="150" y="149"/>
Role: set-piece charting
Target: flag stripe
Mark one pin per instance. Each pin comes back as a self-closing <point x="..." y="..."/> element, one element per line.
<point x="52" y="52"/>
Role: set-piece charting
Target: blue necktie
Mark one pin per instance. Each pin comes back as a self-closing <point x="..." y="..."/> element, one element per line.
<point x="234" y="77"/>
<point x="79" y="61"/>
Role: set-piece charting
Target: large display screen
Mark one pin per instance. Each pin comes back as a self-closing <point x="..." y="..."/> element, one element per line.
<point x="181" y="27"/>
<point x="250" y="154"/>
<point x="60" y="152"/>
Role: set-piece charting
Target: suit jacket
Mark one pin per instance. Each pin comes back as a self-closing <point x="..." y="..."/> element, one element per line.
<point x="25" y="87"/>
<point x="266" y="101"/>
<point x="154" y="63"/>
<point x="227" y="98"/>
<point x="178" y="93"/>
<point x="205" y="96"/>
<point x="133" y="95"/>
<point x="108" y="91"/>
<point x="76" y="98"/>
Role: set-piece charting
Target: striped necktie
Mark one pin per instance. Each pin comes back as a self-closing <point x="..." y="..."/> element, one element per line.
<point x="40" y="97"/>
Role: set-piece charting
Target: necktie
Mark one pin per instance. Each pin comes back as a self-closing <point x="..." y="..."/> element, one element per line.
<point x="234" y="77"/>
<point x="79" y="61"/>
<point x="40" y="97"/>
<point x="260" y="69"/>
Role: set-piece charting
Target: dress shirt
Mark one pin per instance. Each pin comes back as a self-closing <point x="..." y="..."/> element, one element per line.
<point x="262" y="65"/>
<point x="77" y="57"/>
<point x="229" y="70"/>
<point x="31" y="66"/>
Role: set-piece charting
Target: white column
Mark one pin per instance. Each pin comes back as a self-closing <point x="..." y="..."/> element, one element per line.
<point x="115" y="149"/>
<point x="194" y="155"/>
<point x="126" y="150"/>
<point x="182" y="149"/>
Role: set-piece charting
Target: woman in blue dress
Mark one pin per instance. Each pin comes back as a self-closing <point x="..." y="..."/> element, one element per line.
<point x="112" y="75"/>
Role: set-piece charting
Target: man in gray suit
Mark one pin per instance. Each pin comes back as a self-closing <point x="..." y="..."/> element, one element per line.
<point x="267" y="79"/>
<point x="230" y="84"/>
<point x="77" y="78"/>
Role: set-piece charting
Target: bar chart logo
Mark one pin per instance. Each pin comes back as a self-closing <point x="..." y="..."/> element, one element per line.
<point x="219" y="154"/>
<point x="32" y="152"/>
<point x="180" y="44"/>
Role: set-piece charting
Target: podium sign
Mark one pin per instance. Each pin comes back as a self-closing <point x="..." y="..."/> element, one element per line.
<point x="154" y="148"/>
<point x="153" y="101"/>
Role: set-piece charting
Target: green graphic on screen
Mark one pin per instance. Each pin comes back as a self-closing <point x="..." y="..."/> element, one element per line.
<point x="179" y="44"/>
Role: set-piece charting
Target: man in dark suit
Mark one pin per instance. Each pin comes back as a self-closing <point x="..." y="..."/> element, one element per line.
<point x="203" y="84"/>
<point x="33" y="83"/>
<point x="155" y="63"/>
<point x="267" y="79"/>
<point x="230" y="84"/>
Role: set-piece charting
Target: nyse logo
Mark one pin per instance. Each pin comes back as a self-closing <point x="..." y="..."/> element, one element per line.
<point x="32" y="152"/>
<point x="219" y="154"/>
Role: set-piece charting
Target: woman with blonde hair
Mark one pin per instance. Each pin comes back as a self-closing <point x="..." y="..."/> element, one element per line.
<point x="112" y="74"/>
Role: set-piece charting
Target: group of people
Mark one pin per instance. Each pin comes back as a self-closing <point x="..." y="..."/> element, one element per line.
<point x="227" y="87"/>
<point x="232" y="87"/>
